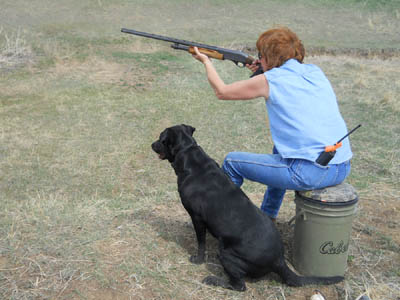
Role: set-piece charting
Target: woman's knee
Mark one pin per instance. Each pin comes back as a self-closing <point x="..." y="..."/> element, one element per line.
<point x="228" y="161"/>
<point x="228" y="167"/>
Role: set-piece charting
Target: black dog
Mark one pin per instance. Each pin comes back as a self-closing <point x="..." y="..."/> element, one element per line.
<point x="249" y="243"/>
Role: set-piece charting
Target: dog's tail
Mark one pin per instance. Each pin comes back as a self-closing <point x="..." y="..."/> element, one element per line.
<point x="292" y="279"/>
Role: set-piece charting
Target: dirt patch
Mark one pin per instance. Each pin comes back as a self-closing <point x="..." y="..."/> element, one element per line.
<point x="101" y="71"/>
<point x="10" y="61"/>
<point x="92" y="290"/>
<point x="355" y="52"/>
<point x="384" y="221"/>
<point x="351" y="52"/>
<point x="3" y="262"/>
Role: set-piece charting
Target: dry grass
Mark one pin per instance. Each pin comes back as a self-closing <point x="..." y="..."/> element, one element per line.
<point x="87" y="210"/>
<point x="373" y="81"/>
<point x="14" y="50"/>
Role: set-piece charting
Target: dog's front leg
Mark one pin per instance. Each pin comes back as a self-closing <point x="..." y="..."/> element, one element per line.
<point x="200" y="228"/>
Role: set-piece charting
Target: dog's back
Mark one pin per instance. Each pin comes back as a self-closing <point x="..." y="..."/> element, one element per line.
<point x="229" y="214"/>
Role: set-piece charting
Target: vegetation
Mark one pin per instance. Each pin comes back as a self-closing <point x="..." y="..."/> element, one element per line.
<point x="87" y="211"/>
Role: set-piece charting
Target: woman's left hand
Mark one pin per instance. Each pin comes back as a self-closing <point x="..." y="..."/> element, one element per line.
<point x="200" y="56"/>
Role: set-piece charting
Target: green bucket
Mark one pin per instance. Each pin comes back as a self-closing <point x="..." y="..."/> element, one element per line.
<point x="322" y="230"/>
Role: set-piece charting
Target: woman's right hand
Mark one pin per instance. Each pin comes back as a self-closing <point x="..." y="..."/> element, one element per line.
<point x="254" y="66"/>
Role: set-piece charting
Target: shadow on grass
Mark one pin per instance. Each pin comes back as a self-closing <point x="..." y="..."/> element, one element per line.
<point x="176" y="227"/>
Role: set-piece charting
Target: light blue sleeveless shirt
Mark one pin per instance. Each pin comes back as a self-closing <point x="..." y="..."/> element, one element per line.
<point x="303" y="113"/>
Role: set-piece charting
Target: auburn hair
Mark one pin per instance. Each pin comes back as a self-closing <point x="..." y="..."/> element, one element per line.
<point x="279" y="45"/>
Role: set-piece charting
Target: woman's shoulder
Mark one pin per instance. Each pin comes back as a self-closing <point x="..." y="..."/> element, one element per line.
<point x="292" y="68"/>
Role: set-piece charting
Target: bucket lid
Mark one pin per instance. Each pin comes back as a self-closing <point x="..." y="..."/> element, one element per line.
<point x="341" y="194"/>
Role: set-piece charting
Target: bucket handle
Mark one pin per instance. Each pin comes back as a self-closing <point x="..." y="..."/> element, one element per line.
<point x="302" y="213"/>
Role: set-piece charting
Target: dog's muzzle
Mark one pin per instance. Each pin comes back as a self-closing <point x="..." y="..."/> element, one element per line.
<point x="157" y="148"/>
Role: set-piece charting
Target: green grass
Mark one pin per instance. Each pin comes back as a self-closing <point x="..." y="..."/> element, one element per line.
<point x="87" y="211"/>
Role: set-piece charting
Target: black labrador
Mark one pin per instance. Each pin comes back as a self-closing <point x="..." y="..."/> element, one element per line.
<point x="249" y="243"/>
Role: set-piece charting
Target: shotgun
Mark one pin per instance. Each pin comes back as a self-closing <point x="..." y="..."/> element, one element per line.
<point x="238" y="57"/>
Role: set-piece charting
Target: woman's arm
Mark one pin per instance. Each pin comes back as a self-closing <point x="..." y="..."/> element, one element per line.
<point x="240" y="90"/>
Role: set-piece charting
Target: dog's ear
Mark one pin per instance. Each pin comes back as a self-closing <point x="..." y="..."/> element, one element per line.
<point x="167" y="140"/>
<point x="189" y="129"/>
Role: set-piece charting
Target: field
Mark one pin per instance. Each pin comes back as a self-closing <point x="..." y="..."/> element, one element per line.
<point x="87" y="211"/>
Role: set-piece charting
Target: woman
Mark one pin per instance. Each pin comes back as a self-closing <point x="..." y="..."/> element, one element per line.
<point x="304" y="118"/>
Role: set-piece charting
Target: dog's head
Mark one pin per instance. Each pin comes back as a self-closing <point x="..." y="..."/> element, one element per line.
<point x="172" y="140"/>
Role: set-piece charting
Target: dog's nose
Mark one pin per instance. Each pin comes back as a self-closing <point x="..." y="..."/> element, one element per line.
<point x="154" y="146"/>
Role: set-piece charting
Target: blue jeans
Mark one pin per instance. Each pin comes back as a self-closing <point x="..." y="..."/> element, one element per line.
<point x="281" y="174"/>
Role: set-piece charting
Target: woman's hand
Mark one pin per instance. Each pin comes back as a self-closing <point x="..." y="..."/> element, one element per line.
<point x="254" y="66"/>
<point x="240" y="90"/>
<point x="200" y="56"/>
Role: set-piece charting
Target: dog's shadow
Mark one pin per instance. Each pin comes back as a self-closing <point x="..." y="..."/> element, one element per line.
<point x="181" y="232"/>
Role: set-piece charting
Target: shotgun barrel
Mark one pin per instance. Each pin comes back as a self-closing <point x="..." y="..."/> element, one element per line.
<point x="238" y="57"/>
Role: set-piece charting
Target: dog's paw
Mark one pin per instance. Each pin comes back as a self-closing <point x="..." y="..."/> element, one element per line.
<point x="240" y="286"/>
<point x="213" y="280"/>
<point x="217" y="281"/>
<point x="196" y="259"/>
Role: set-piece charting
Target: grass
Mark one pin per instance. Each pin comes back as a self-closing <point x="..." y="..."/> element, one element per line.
<point x="88" y="211"/>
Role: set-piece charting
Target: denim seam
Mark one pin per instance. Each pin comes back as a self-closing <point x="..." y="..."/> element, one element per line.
<point x="256" y="163"/>
<point x="345" y="172"/>
<point x="324" y="176"/>
<point x="320" y="166"/>
<point x="337" y="173"/>
<point x="293" y="175"/>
